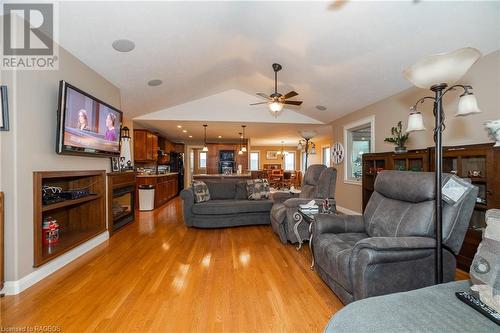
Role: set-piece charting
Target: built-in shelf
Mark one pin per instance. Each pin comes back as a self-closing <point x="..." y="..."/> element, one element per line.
<point x="66" y="203"/>
<point x="79" y="219"/>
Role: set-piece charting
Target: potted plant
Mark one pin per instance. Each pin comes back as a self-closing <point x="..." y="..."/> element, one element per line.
<point x="398" y="138"/>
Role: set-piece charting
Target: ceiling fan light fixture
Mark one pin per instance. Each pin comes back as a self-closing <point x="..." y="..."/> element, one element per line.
<point x="275" y="106"/>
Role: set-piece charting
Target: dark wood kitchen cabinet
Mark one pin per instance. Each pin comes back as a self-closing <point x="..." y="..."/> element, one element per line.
<point x="145" y="145"/>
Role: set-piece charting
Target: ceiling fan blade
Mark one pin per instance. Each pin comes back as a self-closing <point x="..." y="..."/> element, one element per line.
<point x="263" y="95"/>
<point x="258" y="103"/>
<point x="290" y="94"/>
<point x="293" y="102"/>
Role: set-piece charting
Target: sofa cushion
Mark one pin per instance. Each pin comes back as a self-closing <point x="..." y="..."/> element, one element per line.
<point x="334" y="252"/>
<point x="241" y="190"/>
<point x="224" y="207"/>
<point x="220" y="190"/>
<point x="258" y="189"/>
<point x="201" y="192"/>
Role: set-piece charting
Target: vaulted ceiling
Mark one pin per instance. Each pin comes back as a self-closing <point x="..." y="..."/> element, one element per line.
<point x="340" y="55"/>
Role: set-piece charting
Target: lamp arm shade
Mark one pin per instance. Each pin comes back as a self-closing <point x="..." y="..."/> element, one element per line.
<point x="442" y="68"/>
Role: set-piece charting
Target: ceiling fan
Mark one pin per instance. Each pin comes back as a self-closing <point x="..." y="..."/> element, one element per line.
<point x="277" y="101"/>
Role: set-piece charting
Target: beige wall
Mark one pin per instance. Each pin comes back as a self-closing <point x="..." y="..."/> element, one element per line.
<point x="30" y="146"/>
<point x="484" y="76"/>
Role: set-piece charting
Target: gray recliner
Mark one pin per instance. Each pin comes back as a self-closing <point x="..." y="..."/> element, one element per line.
<point x="319" y="183"/>
<point x="391" y="247"/>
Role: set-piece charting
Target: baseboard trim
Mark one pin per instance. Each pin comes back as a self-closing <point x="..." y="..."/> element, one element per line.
<point x="18" y="286"/>
<point x="347" y="211"/>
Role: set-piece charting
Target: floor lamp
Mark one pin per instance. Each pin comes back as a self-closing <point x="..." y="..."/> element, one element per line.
<point x="439" y="73"/>
<point x="306" y="144"/>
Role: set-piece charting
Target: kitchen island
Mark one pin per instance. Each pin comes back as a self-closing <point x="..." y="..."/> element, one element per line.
<point x="218" y="176"/>
<point x="166" y="186"/>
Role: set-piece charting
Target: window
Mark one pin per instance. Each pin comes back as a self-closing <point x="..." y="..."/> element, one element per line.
<point x="359" y="139"/>
<point x="303" y="162"/>
<point x="290" y="161"/>
<point x="326" y="155"/>
<point x="203" y="160"/>
<point x="254" y="161"/>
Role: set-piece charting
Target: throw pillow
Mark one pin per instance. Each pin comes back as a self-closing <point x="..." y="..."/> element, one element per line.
<point x="201" y="193"/>
<point x="258" y="189"/>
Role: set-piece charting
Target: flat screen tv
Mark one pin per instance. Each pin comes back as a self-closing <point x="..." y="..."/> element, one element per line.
<point x="86" y="125"/>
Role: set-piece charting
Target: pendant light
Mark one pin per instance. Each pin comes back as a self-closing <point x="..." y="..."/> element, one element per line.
<point x="240" y="151"/>
<point x="244" y="145"/>
<point x="205" y="147"/>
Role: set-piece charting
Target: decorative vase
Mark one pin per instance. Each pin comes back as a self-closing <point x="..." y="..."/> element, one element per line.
<point x="400" y="150"/>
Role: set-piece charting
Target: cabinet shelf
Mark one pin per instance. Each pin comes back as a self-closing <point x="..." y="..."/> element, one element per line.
<point x="66" y="203"/>
<point x="67" y="242"/>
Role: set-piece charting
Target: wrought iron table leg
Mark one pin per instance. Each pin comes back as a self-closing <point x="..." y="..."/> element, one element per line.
<point x="310" y="245"/>
<point x="298" y="219"/>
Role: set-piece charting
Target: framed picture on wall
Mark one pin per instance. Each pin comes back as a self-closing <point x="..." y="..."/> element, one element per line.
<point x="271" y="155"/>
<point x="4" y="109"/>
<point x="115" y="164"/>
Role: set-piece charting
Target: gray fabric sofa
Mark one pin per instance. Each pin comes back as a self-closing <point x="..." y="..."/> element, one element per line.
<point x="319" y="183"/>
<point x="228" y="206"/>
<point x="391" y="247"/>
<point x="431" y="309"/>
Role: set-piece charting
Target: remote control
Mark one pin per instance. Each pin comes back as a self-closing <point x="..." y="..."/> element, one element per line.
<point x="479" y="306"/>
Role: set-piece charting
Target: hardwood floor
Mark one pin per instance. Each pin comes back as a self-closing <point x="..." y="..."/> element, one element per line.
<point x="157" y="275"/>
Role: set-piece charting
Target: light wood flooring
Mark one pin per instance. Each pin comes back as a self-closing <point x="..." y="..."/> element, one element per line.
<point x="157" y="275"/>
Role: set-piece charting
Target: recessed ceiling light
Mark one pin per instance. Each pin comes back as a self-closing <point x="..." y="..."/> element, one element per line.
<point x="155" y="83"/>
<point x="184" y="131"/>
<point x="179" y="126"/>
<point x="123" y="45"/>
<point x="321" y="107"/>
<point x="190" y="136"/>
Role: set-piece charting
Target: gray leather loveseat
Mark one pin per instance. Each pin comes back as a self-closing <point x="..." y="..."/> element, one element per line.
<point x="391" y="247"/>
<point x="228" y="206"/>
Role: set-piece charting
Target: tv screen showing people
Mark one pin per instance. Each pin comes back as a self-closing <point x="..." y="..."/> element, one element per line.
<point x="90" y="126"/>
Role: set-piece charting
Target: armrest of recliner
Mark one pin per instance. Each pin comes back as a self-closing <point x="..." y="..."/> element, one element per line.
<point x="295" y="202"/>
<point x="338" y="224"/>
<point x="395" y="243"/>
<point x="280" y="197"/>
<point x="383" y="265"/>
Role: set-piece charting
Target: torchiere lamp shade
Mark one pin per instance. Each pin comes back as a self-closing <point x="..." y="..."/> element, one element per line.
<point x="442" y="68"/>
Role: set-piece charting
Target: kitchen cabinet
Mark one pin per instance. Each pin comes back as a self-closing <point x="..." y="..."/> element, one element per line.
<point x="145" y="145"/>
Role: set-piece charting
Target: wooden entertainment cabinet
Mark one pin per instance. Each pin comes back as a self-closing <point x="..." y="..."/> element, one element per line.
<point x="457" y="159"/>
<point x="79" y="219"/>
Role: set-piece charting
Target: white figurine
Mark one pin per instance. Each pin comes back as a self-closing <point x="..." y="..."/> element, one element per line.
<point x="493" y="128"/>
<point x="485" y="268"/>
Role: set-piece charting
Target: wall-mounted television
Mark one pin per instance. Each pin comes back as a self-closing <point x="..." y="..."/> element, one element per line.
<point x="86" y="125"/>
